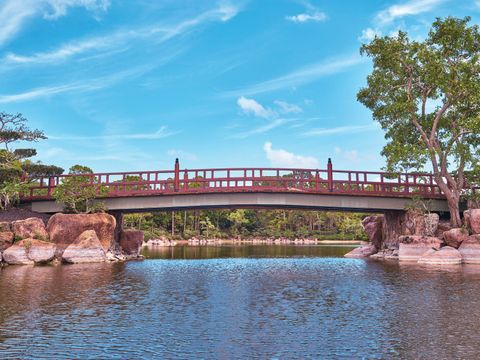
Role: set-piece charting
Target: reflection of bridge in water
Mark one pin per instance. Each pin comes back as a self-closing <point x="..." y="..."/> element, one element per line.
<point x="249" y="188"/>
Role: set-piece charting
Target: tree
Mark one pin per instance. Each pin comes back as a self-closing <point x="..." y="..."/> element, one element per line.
<point x="77" y="192"/>
<point x="238" y="218"/>
<point x="14" y="164"/>
<point x="426" y="97"/>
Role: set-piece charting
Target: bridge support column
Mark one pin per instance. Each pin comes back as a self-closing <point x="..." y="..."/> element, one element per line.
<point x="118" y="215"/>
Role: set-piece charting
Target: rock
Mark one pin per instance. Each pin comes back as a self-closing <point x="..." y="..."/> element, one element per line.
<point x="86" y="248"/>
<point x="6" y="240"/>
<point x="455" y="237"/>
<point x="412" y="247"/>
<point x="373" y="226"/>
<point x="362" y="252"/>
<point x="131" y="242"/>
<point x="17" y="255"/>
<point x="470" y="250"/>
<point x="30" y="228"/>
<point x="472" y="220"/>
<point x="447" y="255"/>
<point x="64" y="229"/>
<point x="421" y="224"/>
<point x="443" y="226"/>
<point x="5" y="226"/>
<point x="29" y="251"/>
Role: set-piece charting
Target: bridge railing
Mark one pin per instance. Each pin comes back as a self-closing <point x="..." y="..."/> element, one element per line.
<point x="121" y="184"/>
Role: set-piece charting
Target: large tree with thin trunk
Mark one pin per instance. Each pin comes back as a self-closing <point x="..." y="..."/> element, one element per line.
<point x="426" y="97"/>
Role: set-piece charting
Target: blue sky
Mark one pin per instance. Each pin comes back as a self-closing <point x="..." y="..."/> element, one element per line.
<point x="123" y="85"/>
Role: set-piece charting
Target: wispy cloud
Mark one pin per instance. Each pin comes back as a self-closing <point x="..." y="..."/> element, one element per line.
<point x="369" y="34"/>
<point x="262" y="128"/>
<point x="284" y="158"/>
<point x="161" y="133"/>
<point x="124" y="38"/>
<point x="182" y="154"/>
<point x="78" y="86"/>
<point x="312" y="14"/>
<point x="340" y="130"/>
<point x="301" y="76"/>
<point x="411" y="7"/>
<point x="287" y="108"/>
<point x="14" y="13"/>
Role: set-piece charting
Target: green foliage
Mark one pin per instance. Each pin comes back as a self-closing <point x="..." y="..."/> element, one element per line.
<point x="426" y="97"/>
<point x="77" y="193"/>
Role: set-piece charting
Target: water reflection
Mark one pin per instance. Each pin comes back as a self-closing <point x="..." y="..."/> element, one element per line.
<point x="240" y="308"/>
<point x="245" y="251"/>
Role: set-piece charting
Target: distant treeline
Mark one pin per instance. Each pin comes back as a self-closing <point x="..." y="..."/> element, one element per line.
<point x="246" y="223"/>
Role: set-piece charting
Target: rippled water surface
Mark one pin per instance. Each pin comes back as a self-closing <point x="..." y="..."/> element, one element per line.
<point x="240" y="308"/>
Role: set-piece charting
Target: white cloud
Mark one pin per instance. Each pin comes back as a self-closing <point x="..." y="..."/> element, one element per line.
<point x="161" y="133"/>
<point x="283" y="158"/>
<point x="340" y="130"/>
<point x="251" y="106"/>
<point x="286" y="108"/>
<point x="317" y="16"/>
<point x="301" y="76"/>
<point x="14" y="13"/>
<point x="80" y="86"/>
<point x="349" y="155"/>
<point x="125" y="37"/>
<point x="411" y="7"/>
<point x="369" y="34"/>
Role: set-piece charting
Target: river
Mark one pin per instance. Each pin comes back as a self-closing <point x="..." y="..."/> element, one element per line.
<point x="274" y="302"/>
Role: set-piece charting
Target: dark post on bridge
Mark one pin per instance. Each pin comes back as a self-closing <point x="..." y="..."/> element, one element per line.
<point x="330" y="175"/>
<point x="176" y="179"/>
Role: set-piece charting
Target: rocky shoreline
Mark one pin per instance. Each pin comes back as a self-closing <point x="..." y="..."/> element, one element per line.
<point x="421" y="238"/>
<point x="67" y="238"/>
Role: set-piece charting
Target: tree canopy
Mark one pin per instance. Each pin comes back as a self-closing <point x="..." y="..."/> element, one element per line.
<point x="426" y="97"/>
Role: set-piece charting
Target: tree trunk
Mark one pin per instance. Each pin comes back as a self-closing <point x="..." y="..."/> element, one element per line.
<point x="454" y="208"/>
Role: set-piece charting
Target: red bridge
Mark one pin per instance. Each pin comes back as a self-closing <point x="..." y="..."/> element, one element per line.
<point x="248" y="187"/>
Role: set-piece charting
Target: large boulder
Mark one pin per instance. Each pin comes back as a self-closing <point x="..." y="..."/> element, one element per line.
<point x="470" y="250"/>
<point x="412" y="247"/>
<point x="30" y="228"/>
<point x="86" y="248"/>
<point x="362" y="252"/>
<point x="64" y="229"/>
<point x="455" y="237"/>
<point x="443" y="226"/>
<point x="131" y="242"/>
<point x="447" y="255"/>
<point x="373" y="226"/>
<point x="421" y="224"/>
<point x="6" y="240"/>
<point x="472" y="220"/>
<point x="29" y="251"/>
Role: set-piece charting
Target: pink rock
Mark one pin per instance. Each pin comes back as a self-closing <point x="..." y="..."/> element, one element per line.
<point x="413" y="247"/>
<point x="87" y="248"/>
<point x="373" y="226"/>
<point x="131" y="242"/>
<point x="30" y="228"/>
<point x="472" y="220"/>
<point x="362" y="252"/>
<point x="29" y="251"/>
<point x="447" y="255"/>
<point x="455" y="237"/>
<point x="470" y="250"/>
<point x="6" y="240"/>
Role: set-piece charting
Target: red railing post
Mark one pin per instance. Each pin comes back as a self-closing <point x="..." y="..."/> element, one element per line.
<point x="176" y="179"/>
<point x="185" y="180"/>
<point x="330" y="175"/>
<point x="50" y="185"/>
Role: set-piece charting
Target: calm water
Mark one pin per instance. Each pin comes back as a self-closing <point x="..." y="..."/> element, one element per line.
<point x="241" y="308"/>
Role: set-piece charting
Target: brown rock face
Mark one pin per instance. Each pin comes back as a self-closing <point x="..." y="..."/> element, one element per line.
<point x="470" y="250"/>
<point x="131" y="242"/>
<point x="472" y="220"/>
<point x="29" y="251"/>
<point x="419" y="224"/>
<point x="64" y="229"/>
<point x="413" y="247"/>
<point x="5" y="226"/>
<point x="447" y="255"/>
<point x="30" y="228"/>
<point x="373" y="226"/>
<point x="455" y="237"/>
<point x="443" y="226"/>
<point x="87" y="248"/>
<point x="6" y="240"/>
<point x="362" y="252"/>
